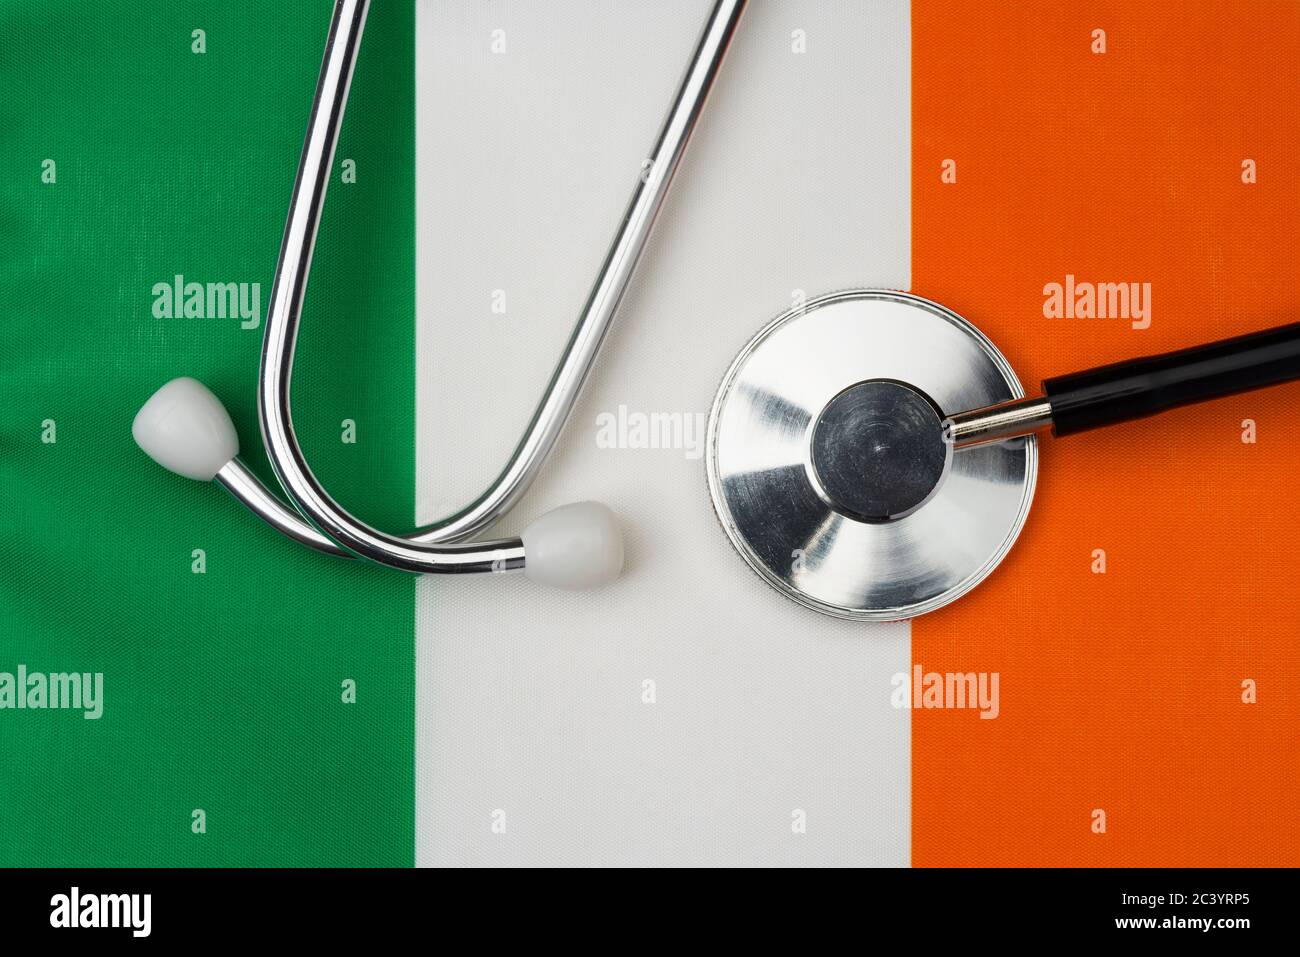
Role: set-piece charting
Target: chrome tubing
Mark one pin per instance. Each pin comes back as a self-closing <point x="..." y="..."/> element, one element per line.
<point x="422" y="552"/>
<point x="997" y="423"/>
<point x="653" y="180"/>
<point x="240" y="481"/>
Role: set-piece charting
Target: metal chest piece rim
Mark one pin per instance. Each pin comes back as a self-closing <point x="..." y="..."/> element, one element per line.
<point x="825" y="526"/>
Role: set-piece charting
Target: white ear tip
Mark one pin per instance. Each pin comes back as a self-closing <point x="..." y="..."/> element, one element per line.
<point x="185" y="428"/>
<point x="574" y="546"/>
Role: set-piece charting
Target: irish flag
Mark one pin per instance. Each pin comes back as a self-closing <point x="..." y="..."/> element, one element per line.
<point x="1084" y="182"/>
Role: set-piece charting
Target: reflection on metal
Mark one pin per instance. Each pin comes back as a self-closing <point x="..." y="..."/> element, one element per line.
<point x="763" y="467"/>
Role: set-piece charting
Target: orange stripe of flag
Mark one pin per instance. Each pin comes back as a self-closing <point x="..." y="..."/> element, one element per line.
<point x="1121" y="692"/>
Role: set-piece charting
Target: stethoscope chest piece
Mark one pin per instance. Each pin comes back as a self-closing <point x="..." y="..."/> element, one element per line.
<point x="830" y="470"/>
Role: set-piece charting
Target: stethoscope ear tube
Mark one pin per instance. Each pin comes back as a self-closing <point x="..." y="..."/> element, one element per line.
<point x="1136" y="388"/>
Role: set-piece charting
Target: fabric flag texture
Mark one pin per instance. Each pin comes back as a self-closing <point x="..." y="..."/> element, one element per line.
<point x="259" y="704"/>
<point x="130" y="159"/>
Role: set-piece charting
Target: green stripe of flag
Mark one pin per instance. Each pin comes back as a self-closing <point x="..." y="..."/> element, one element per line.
<point x="222" y="690"/>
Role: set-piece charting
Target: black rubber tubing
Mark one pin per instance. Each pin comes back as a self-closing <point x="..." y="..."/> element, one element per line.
<point x="1137" y="388"/>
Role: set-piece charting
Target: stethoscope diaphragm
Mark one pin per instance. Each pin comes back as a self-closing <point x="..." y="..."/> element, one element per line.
<point x="827" y="463"/>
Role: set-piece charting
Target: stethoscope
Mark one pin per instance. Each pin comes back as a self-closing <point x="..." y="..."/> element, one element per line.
<point x="833" y="462"/>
